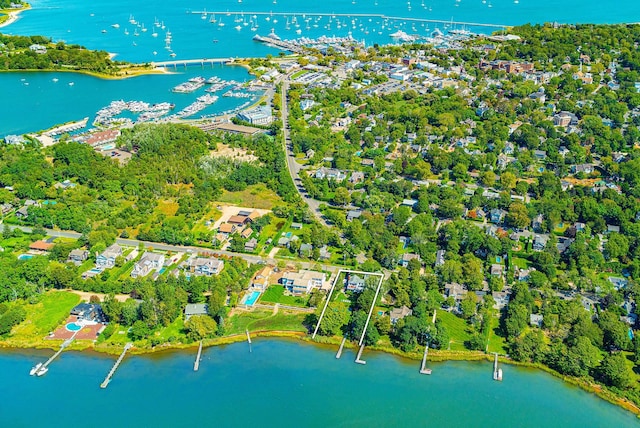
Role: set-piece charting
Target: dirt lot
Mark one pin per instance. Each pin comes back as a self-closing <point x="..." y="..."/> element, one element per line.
<point x="233" y="153"/>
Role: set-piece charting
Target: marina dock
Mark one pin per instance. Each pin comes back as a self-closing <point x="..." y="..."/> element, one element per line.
<point x="339" y="354"/>
<point x="42" y="368"/>
<point x="106" y="381"/>
<point x="196" y="364"/>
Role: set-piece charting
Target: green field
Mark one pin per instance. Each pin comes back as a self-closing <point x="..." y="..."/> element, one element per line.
<point x="43" y="317"/>
<point x="275" y="294"/>
<point x="255" y="196"/>
<point x="264" y="320"/>
<point x="457" y="329"/>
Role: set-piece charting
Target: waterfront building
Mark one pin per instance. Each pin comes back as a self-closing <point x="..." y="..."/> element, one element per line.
<point x="257" y="116"/>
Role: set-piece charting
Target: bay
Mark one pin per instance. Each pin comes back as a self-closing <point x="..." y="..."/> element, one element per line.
<point x="288" y="384"/>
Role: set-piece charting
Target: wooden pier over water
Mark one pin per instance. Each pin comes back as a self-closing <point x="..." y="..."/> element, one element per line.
<point x="195" y="61"/>
<point x="106" y="381"/>
<point x="196" y="364"/>
<point x="354" y="15"/>
<point x="43" y="368"/>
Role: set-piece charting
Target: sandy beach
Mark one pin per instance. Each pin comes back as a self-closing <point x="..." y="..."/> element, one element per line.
<point x="14" y="15"/>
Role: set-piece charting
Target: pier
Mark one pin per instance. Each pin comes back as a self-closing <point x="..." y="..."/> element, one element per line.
<point x="497" y="372"/>
<point x="196" y="364"/>
<point x="339" y="354"/>
<point x="196" y="61"/>
<point x="248" y="339"/>
<point x="43" y="368"/>
<point x="356" y="15"/>
<point x="358" y="359"/>
<point x="423" y="369"/>
<point x="106" y="381"/>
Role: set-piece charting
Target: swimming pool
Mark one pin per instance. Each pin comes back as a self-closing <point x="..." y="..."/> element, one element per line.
<point x="498" y="259"/>
<point x="73" y="326"/>
<point x="250" y="299"/>
<point x="162" y="271"/>
<point x="95" y="270"/>
<point x="25" y="256"/>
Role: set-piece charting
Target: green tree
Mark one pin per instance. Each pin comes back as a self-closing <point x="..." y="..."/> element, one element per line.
<point x="335" y="317"/>
<point x="614" y="371"/>
<point x="200" y="327"/>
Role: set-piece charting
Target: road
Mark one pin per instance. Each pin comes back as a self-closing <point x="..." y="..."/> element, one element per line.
<point x="250" y="258"/>
<point x="293" y="166"/>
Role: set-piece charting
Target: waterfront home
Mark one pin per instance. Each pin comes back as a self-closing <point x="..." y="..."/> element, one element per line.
<point x="41" y="247"/>
<point x="39" y="49"/>
<point x="204" y="266"/>
<point x="148" y="262"/>
<point x="91" y="312"/>
<point x="78" y="256"/>
<point x="107" y="259"/>
<point x="195" y="309"/>
<point x="260" y="280"/>
<point x="399" y="313"/>
<point x="302" y="282"/>
<point x="355" y="283"/>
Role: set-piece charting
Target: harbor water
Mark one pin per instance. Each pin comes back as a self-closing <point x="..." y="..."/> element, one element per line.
<point x="289" y="384"/>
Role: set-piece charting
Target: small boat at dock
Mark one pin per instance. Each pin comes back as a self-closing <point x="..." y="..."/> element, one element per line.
<point x="35" y="369"/>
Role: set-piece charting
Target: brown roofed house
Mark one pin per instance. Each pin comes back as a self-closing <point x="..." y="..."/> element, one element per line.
<point x="227" y="228"/>
<point x="237" y="219"/>
<point x="41" y="246"/>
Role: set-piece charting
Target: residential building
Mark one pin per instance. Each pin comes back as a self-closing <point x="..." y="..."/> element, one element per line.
<point x="147" y="263"/>
<point x="107" y="259"/>
<point x="41" y="247"/>
<point x="251" y="245"/>
<point x="204" y="266"/>
<point x="440" y="257"/>
<point x="355" y="283"/>
<point x="78" y="256"/>
<point x="406" y="258"/>
<point x="535" y="320"/>
<point x="91" y="312"/>
<point x="330" y="174"/>
<point x="260" y="280"/>
<point x="540" y="242"/>
<point x="193" y="309"/>
<point x="399" y="313"/>
<point x="302" y="282"/>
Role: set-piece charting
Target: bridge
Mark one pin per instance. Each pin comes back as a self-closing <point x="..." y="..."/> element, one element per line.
<point x="355" y="15"/>
<point x="197" y="61"/>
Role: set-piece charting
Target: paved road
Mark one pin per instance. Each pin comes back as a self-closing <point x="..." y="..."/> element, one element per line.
<point x="250" y="258"/>
<point x="293" y="166"/>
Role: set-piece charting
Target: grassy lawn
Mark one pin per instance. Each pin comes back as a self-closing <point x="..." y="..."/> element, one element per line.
<point x="168" y="208"/>
<point x="520" y="262"/>
<point x="275" y="294"/>
<point x="497" y="343"/>
<point x="240" y="322"/>
<point x="255" y="196"/>
<point x="212" y="215"/>
<point x="457" y="329"/>
<point x="280" y="321"/>
<point x="298" y="74"/>
<point x="46" y="315"/>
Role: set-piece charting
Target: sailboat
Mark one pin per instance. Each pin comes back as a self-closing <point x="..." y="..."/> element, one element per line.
<point x="213" y="19"/>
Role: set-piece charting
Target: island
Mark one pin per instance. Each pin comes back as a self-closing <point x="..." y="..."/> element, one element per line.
<point x="465" y="197"/>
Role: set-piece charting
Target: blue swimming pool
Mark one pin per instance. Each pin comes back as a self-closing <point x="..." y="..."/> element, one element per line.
<point x="25" y="256"/>
<point x="73" y="326"/>
<point x="498" y="259"/>
<point x="162" y="271"/>
<point x="288" y="234"/>
<point x="250" y="299"/>
<point x="95" y="270"/>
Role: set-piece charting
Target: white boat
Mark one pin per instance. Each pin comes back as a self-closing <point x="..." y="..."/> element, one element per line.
<point x="116" y="25"/>
<point x="144" y="30"/>
<point x="42" y="371"/>
<point x="35" y="369"/>
<point x="238" y="27"/>
<point x="55" y="79"/>
<point x="71" y="83"/>
<point x="154" y="34"/>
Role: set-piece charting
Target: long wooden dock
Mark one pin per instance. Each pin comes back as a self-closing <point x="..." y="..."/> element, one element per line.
<point x="358" y="359"/>
<point x="196" y="364"/>
<point x="423" y="369"/>
<point x="339" y="354"/>
<point x="497" y="371"/>
<point x="43" y="368"/>
<point x="106" y="381"/>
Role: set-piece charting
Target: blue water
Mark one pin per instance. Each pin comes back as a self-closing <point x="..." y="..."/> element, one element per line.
<point x="25" y="256"/>
<point x="251" y="298"/>
<point x="42" y="103"/>
<point x="289" y="384"/>
<point x="73" y="326"/>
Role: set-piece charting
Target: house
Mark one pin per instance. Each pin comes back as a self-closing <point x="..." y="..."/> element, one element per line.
<point x="537" y="222"/>
<point x="409" y="203"/>
<point x="251" y="244"/>
<point x="305" y="250"/>
<point x="399" y="313"/>
<point x="535" y="320"/>
<point x="296" y="226"/>
<point x="148" y="262"/>
<point x="91" y="312"/>
<point x="22" y="213"/>
<point x="78" y="256"/>
<point x="501" y="298"/>
<point x="367" y="162"/>
<point x="406" y="258"/>
<point x="540" y="154"/>
<point x="238" y="219"/>
<point x="497" y="269"/>
<point x="440" y="257"/>
<point x="227" y="229"/>
<point x="523" y="274"/>
<point x="5" y="208"/>
<point x="497" y="215"/>
<point x="455" y="291"/>
<point x="324" y="253"/>
<point x="330" y="174"/>
<point x="355" y="283"/>
<point x="107" y="259"/>
<point x="247" y="232"/>
<point x="611" y="228"/>
<point x="585" y="168"/>
<point x="41" y="247"/>
<point x="39" y="49"/>
<point x="540" y="242"/>
<point x="618" y="283"/>
<point x="353" y="214"/>
<point x="302" y="282"/>
<point x="260" y="280"/>
<point x="356" y="177"/>
<point x="193" y="309"/>
<point x="204" y="266"/>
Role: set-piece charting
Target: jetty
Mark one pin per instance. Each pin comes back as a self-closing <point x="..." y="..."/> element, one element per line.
<point x="497" y="372"/>
<point x="339" y="354"/>
<point x="423" y="369"/>
<point x="357" y="15"/>
<point x="42" y="368"/>
<point x="196" y="364"/>
<point x="106" y="381"/>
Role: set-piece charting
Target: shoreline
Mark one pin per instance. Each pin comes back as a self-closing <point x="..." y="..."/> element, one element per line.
<point x="12" y="15"/>
<point x="438" y="356"/>
<point x="134" y="73"/>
